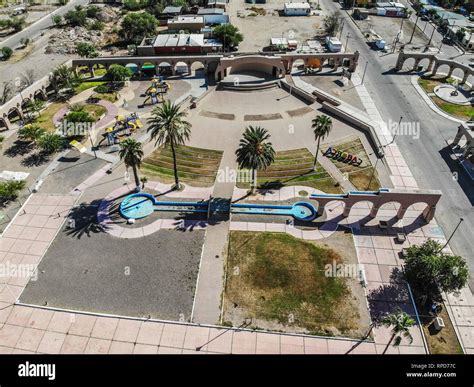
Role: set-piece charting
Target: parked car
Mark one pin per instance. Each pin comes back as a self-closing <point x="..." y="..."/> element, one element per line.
<point x="19" y="11"/>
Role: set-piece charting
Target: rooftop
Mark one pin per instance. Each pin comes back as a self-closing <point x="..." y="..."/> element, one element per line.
<point x="171" y="9"/>
<point x="297" y="5"/>
<point x="210" y="11"/>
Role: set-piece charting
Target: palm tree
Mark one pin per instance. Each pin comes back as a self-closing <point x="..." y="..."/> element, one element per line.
<point x="168" y="127"/>
<point x="51" y="143"/>
<point x="131" y="153"/>
<point x="322" y="125"/>
<point x="254" y="151"/>
<point x="31" y="133"/>
<point x="400" y="323"/>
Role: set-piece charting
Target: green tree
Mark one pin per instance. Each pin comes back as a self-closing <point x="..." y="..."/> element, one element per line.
<point x="168" y="126"/>
<point x="10" y="189"/>
<point x="63" y="77"/>
<point x="6" y="53"/>
<point x="401" y="324"/>
<point x="131" y="153"/>
<point x="31" y="133"/>
<point x="92" y="11"/>
<point x="57" y="20"/>
<point x="228" y="35"/>
<point x="321" y="125"/>
<point x="35" y="105"/>
<point x="118" y="73"/>
<point x="76" y="17"/>
<point x="431" y="271"/>
<point x="86" y="50"/>
<point x="255" y="152"/>
<point x="51" y="143"/>
<point x="332" y="23"/>
<point x="17" y="23"/>
<point x="136" y="26"/>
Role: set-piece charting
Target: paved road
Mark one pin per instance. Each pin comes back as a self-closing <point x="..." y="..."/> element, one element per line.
<point x="36" y="28"/>
<point x="428" y="157"/>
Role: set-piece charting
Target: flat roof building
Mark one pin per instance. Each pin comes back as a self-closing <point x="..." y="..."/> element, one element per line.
<point x="297" y="9"/>
<point x="178" y="44"/>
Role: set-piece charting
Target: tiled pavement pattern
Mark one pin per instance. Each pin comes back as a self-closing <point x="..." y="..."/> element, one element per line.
<point x="25" y="329"/>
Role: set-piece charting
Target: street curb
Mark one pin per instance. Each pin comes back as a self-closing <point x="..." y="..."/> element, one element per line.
<point x="430" y="103"/>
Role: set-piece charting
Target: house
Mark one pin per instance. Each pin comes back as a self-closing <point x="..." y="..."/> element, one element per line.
<point x="297" y="9"/>
<point x="170" y="12"/>
<point x="217" y="4"/>
<point x="176" y="44"/>
<point x="210" y="11"/>
<point x="189" y="23"/>
<point x="391" y="8"/>
<point x="283" y="44"/>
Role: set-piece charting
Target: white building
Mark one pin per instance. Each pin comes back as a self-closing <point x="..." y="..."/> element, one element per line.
<point x="297" y="9"/>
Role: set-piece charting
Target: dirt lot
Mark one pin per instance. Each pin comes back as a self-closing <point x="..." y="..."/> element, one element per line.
<point x="388" y="28"/>
<point x="260" y="28"/>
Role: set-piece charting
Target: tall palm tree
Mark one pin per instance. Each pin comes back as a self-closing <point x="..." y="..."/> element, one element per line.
<point x="254" y="151"/>
<point x="322" y="125"/>
<point x="400" y="323"/>
<point x="131" y="153"/>
<point x="168" y="126"/>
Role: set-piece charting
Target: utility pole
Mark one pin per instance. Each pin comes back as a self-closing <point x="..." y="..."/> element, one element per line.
<point x="365" y="69"/>
<point x="413" y="32"/>
<point x="398" y="130"/>
<point x="432" y="33"/>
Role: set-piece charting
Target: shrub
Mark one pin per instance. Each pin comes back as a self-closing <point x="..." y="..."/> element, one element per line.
<point x="9" y="190"/>
<point x="51" y="143"/>
<point x="102" y="89"/>
<point x="78" y="116"/>
<point x="7" y="53"/>
<point x="31" y="133"/>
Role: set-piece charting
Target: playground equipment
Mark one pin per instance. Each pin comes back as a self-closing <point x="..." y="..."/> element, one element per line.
<point x="155" y="93"/>
<point x="124" y="126"/>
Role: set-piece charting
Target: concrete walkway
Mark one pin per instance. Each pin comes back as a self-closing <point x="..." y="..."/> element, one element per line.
<point x="207" y="300"/>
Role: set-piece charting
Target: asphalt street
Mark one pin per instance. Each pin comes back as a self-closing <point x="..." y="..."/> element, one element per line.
<point x="428" y="157"/>
<point x="36" y="28"/>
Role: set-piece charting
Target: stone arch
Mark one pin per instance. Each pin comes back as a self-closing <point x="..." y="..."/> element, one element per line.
<point x="148" y="68"/>
<point x="14" y="114"/>
<point x="408" y="63"/>
<point x="24" y="104"/>
<point x="4" y="124"/>
<point x="179" y="68"/>
<point x="40" y="94"/>
<point x="257" y="63"/>
<point x="298" y="63"/>
<point x="165" y="68"/>
<point x="388" y="209"/>
<point x="426" y="62"/>
<point x="330" y="206"/>
<point x="135" y="68"/>
<point x="197" y="65"/>
<point x="359" y="207"/>
<point x="443" y="68"/>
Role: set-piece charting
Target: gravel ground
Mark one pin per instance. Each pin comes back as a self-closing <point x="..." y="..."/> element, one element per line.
<point x="90" y="273"/>
<point x="72" y="170"/>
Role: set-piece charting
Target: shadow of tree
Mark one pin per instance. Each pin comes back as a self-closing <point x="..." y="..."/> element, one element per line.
<point x="36" y="159"/>
<point x="19" y="148"/>
<point x="85" y="220"/>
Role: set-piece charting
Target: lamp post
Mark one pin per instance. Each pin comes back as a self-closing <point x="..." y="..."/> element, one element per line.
<point x="413" y="32"/>
<point x="454" y="231"/>
<point x="365" y="69"/>
<point x="380" y="156"/>
<point x="398" y="130"/>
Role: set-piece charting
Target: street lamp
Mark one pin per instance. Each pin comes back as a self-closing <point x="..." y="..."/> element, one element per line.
<point x="414" y="27"/>
<point x="454" y="231"/>
<point x="380" y="155"/>
<point x="365" y="69"/>
<point x="396" y="133"/>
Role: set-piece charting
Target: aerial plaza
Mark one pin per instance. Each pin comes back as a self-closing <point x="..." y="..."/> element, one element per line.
<point x="230" y="179"/>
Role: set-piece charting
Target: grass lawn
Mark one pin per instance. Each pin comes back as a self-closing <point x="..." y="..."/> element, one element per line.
<point x="95" y="110"/>
<point x="464" y="112"/>
<point x="45" y="119"/>
<point x="444" y="342"/>
<point x="280" y="279"/>
<point x="111" y="97"/>
<point x="196" y="166"/>
<point x="294" y="167"/>
<point x="359" y="176"/>
<point x="87" y="85"/>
